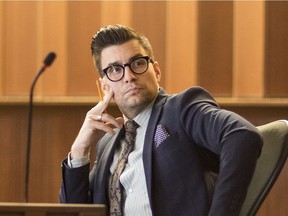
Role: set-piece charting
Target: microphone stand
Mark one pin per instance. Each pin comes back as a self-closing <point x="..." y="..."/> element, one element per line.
<point x="47" y="62"/>
<point x="29" y="131"/>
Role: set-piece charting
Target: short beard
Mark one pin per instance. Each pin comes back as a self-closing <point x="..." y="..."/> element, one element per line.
<point x="132" y="111"/>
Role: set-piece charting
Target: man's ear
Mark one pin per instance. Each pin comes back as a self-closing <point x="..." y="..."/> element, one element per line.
<point x="157" y="70"/>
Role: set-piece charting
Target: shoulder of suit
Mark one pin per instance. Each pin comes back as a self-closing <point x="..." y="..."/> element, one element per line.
<point x="194" y="94"/>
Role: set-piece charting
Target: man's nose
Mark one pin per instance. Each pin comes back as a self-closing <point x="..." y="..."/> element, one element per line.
<point x="128" y="73"/>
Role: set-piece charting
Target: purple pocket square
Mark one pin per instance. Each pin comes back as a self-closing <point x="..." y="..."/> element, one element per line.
<point x="160" y="135"/>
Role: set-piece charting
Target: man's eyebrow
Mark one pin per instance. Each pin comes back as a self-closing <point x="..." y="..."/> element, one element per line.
<point x="130" y="59"/>
<point x="113" y="63"/>
<point x="135" y="56"/>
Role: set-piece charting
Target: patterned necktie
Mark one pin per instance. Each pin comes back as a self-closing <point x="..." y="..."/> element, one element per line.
<point x="115" y="187"/>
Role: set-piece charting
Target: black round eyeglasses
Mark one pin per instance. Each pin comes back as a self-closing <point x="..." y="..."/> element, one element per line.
<point x="138" y="65"/>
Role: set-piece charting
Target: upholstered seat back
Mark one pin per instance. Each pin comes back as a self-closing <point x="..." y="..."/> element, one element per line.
<point x="269" y="165"/>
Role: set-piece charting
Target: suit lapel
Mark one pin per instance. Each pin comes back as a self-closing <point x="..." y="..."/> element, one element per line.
<point x="148" y="142"/>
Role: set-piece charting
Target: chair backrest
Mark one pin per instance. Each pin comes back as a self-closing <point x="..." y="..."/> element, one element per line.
<point x="269" y="165"/>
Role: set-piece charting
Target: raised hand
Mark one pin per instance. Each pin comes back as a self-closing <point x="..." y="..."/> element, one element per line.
<point x="97" y="122"/>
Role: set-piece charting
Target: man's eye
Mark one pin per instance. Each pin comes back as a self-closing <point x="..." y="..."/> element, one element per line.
<point x="114" y="69"/>
<point x="139" y="63"/>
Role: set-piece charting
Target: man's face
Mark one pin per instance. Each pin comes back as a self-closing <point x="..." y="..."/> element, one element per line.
<point x="134" y="91"/>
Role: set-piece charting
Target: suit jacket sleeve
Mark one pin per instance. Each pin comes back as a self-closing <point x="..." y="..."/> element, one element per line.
<point x="78" y="184"/>
<point x="236" y="141"/>
<point x="75" y="184"/>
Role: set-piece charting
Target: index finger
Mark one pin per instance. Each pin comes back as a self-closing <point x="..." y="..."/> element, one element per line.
<point x="108" y="94"/>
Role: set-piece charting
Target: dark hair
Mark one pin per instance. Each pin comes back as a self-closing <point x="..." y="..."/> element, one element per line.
<point x="116" y="35"/>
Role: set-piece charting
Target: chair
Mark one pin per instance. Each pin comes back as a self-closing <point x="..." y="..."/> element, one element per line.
<point x="269" y="165"/>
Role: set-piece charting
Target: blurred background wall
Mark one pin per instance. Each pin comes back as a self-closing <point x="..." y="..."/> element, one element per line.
<point x="237" y="50"/>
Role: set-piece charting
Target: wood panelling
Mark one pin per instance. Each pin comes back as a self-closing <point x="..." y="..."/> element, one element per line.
<point x="276" y="53"/>
<point x="84" y="18"/>
<point x="231" y="48"/>
<point x="52" y="131"/>
<point x="215" y="34"/>
<point x="13" y="143"/>
<point x="20" y="34"/>
<point x="181" y="46"/>
<point x="118" y="12"/>
<point x="1" y="47"/>
<point x="53" y="34"/>
<point x="249" y="49"/>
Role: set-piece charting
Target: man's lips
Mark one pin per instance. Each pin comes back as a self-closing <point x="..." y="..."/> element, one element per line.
<point x="134" y="90"/>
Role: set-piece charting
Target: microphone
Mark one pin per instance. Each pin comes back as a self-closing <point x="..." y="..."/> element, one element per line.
<point x="47" y="62"/>
<point x="49" y="59"/>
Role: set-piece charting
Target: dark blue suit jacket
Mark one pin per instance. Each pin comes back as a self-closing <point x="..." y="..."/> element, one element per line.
<point x="203" y="141"/>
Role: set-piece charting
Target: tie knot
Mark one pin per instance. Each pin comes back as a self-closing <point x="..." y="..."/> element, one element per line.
<point x="131" y="126"/>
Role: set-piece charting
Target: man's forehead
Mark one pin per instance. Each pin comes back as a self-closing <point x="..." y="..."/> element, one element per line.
<point x="122" y="52"/>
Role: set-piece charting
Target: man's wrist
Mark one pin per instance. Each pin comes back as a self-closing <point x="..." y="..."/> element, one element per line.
<point x="78" y="162"/>
<point x="77" y="153"/>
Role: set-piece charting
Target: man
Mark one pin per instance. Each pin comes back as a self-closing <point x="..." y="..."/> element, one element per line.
<point x="189" y="156"/>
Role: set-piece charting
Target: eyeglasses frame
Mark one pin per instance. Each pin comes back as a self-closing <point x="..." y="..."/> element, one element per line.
<point x="147" y="58"/>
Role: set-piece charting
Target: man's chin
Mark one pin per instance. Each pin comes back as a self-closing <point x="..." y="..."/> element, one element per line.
<point x="133" y="103"/>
